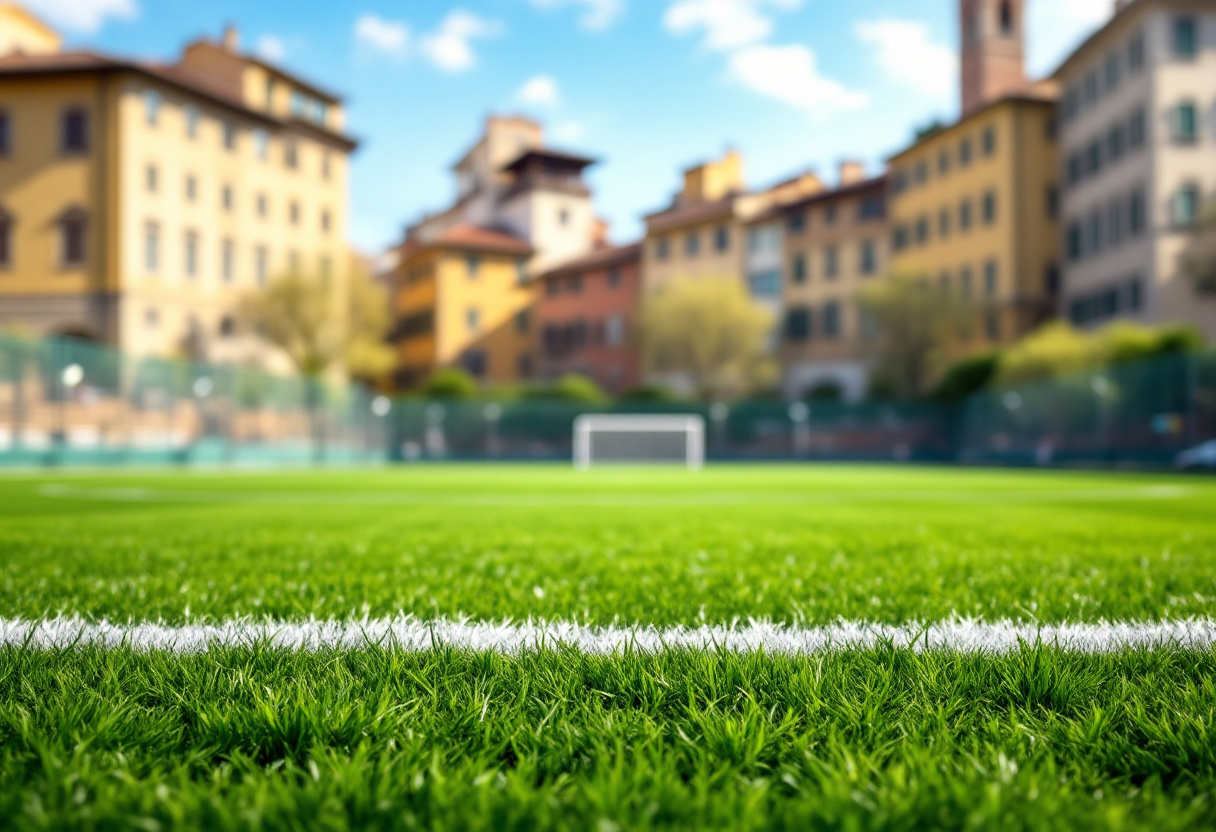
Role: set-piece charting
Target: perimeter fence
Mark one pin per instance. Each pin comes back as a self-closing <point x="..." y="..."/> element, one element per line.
<point x="71" y="403"/>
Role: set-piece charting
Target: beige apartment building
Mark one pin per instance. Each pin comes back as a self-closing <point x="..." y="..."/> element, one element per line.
<point x="1138" y="141"/>
<point x="141" y="202"/>
<point x="835" y="247"/>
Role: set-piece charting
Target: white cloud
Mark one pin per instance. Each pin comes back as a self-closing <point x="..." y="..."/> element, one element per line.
<point x="83" y="15"/>
<point x="570" y="132"/>
<point x="271" y="48"/>
<point x="597" y="14"/>
<point x="386" y="37"/>
<point x="541" y="91"/>
<point x="727" y="24"/>
<point x="451" y="47"/>
<point x="1056" y="28"/>
<point x="789" y="74"/>
<point x="909" y="58"/>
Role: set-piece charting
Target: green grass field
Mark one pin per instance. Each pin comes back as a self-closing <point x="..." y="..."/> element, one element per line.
<point x="262" y="737"/>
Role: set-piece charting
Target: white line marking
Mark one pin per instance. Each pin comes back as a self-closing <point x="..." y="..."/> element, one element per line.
<point x="412" y="635"/>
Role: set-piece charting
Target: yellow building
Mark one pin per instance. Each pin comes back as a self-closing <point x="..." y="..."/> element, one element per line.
<point x="974" y="205"/>
<point x="140" y="202"/>
<point x="463" y="299"/>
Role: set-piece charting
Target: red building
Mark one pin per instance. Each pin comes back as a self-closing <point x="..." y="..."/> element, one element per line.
<point x="586" y="311"/>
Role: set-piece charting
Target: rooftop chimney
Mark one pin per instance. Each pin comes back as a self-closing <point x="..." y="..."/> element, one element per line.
<point x="232" y="38"/>
<point x="851" y="172"/>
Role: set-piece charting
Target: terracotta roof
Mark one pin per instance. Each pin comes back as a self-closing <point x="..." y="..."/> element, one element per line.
<point x="605" y="258"/>
<point x="225" y="95"/>
<point x="476" y="238"/>
<point x="877" y="183"/>
<point x="681" y="215"/>
<point x="554" y="155"/>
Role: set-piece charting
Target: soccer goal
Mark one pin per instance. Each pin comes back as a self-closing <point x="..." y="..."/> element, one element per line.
<point x="639" y="440"/>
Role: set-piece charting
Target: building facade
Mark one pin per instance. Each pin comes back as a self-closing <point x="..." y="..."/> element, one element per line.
<point x="1138" y="139"/>
<point x="141" y="203"/>
<point x="465" y="278"/>
<point x="586" y="314"/>
<point x="974" y="206"/>
<point x="835" y="247"/>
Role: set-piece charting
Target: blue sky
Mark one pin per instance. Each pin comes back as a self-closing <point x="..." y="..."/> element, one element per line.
<point x="646" y="86"/>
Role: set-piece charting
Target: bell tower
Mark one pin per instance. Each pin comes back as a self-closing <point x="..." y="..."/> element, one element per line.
<point x="993" y="50"/>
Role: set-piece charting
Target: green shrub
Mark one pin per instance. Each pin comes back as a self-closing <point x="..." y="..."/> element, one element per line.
<point x="450" y="383"/>
<point x="968" y="377"/>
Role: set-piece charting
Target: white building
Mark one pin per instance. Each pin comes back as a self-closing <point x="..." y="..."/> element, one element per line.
<point x="1137" y="131"/>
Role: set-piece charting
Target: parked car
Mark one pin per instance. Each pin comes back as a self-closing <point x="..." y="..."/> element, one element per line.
<point x="1200" y="458"/>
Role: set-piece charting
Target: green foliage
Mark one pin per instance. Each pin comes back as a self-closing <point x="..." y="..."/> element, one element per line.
<point x="450" y="383"/>
<point x="649" y="393"/>
<point x="826" y="392"/>
<point x="569" y="388"/>
<point x="968" y="377"/>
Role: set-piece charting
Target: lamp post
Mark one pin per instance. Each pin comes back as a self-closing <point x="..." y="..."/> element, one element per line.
<point x="70" y="379"/>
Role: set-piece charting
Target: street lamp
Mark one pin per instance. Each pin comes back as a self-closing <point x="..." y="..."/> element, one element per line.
<point x="71" y="378"/>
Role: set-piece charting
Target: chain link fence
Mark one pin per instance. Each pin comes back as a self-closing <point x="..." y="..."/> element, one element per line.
<point x="70" y="403"/>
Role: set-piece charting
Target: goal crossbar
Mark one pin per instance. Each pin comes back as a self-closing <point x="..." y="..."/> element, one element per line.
<point x="587" y="427"/>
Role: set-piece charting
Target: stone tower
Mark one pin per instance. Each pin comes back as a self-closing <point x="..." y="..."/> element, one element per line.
<point x="993" y="50"/>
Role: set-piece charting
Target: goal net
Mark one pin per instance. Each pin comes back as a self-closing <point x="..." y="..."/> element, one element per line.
<point x="634" y="440"/>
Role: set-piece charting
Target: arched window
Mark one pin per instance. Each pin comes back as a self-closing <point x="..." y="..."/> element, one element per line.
<point x="1007" y="22"/>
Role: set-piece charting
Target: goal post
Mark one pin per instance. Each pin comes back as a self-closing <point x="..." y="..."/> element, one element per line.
<point x="639" y="440"/>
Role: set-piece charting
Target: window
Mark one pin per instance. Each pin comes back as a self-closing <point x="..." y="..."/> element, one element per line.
<point x="151" y="318"/>
<point x="227" y="326"/>
<point x="943" y="223"/>
<point x="521" y="272"/>
<point x="1093" y="232"/>
<point x="872" y="208"/>
<point x="227" y="261"/>
<point x="899" y="238"/>
<point x="964" y="153"/>
<point x="261" y="265"/>
<point x="6" y="134"/>
<point x="261" y="144"/>
<point x="1076" y="168"/>
<point x="943" y="162"/>
<point x="922" y="230"/>
<point x="291" y="155"/>
<point x="1116" y="143"/>
<point x="151" y="248"/>
<point x="271" y="86"/>
<point x="991" y="278"/>
<point x="692" y="243"/>
<point x="990" y="208"/>
<point x="574" y="284"/>
<point x="74" y="132"/>
<point x="921" y="172"/>
<point x="472" y="319"/>
<point x="1076" y="248"/>
<point x="1008" y="25"/>
<point x="1135" y="52"/>
<point x="829" y="215"/>
<point x="765" y="284"/>
<point x="1186" y="37"/>
<point x="151" y="179"/>
<point x="989" y="141"/>
<point x="152" y="107"/>
<point x="1091" y="88"/>
<point x="798" y="269"/>
<point x="831" y="263"/>
<point x="1053" y="202"/>
<point x="190" y="251"/>
<point x="326" y="165"/>
<point x="1185" y="206"/>
<point x="869" y="257"/>
<point x="614" y="278"/>
<point x="73" y="228"/>
<point x="293" y="213"/>
<point x="797" y="222"/>
<point x="552" y="288"/>
<point x="1114" y="71"/>
<point x="964" y="215"/>
<point x="1051" y="279"/>
<point x="1137" y="220"/>
<point x="193" y="116"/>
<point x="6" y="239"/>
<point x="474" y="363"/>
<point x="523" y="366"/>
<point x="191" y="189"/>
<point x="1093" y="158"/>
<point x="722" y="239"/>
<point x="662" y="248"/>
<point x="614" y="331"/>
<point x="798" y="324"/>
<point x="262" y="208"/>
<point x="325" y="221"/>
<point x="472" y="266"/>
<point x="992" y="326"/>
<point x="563" y="217"/>
<point x="964" y="282"/>
<point x="522" y="322"/>
<point x="831" y="320"/>
<point x="1114" y="222"/>
<point x="1135" y="294"/>
<point x="1137" y="130"/>
<point x="227" y="199"/>
<point x="1186" y="123"/>
<point x="1072" y="103"/>
<point x="229" y="136"/>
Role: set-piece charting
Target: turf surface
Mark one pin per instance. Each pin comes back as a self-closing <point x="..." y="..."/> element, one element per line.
<point x="250" y="738"/>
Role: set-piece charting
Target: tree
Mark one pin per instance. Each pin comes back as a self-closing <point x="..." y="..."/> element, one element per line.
<point x="569" y="388"/>
<point x="915" y="325"/>
<point x="450" y="383"/>
<point x="369" y="358"/>
<point x="708" y="333"/>
<point x="1198" y="259"/>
